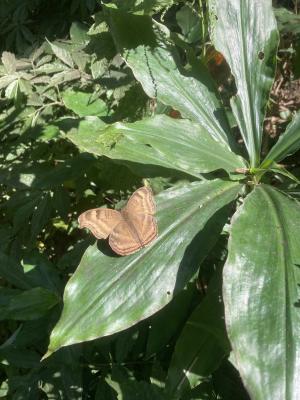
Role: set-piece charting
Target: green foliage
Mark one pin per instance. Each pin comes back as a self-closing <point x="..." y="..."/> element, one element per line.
<point x="94" y="99"/>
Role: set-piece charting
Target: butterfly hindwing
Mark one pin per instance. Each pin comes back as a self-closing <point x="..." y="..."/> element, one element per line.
<point x="131" y="235"/>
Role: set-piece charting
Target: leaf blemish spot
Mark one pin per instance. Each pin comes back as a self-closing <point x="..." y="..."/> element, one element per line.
<point x="261" y="55"/>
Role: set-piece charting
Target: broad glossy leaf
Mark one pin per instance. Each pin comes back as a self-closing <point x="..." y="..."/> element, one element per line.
<point x="155" y="63"/>
<point x="287" y="144"/>
<point x="202" y="344"/>
<point x="261" y="294"/>
<point x="108" y="293"/>
<point x="245" y="32"/>
<point x="163" y="141"/>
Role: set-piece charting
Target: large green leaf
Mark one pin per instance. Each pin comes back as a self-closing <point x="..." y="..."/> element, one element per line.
<point x="261" y="295"/>
<point x="202" y="344"/>
<point x="107" y="293"/>
<point x="163" y="141"/>
<point x="245" y="32"/>
<point x="155" y="63"/>
<point x="288" y="143"/>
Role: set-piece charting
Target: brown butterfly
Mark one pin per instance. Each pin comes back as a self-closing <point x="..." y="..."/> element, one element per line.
<point x="129" y="229"/>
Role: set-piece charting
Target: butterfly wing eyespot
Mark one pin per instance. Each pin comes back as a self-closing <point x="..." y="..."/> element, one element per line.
<point x="100" y="221"/>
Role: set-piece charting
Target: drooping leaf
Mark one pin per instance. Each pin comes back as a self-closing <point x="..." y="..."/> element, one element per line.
<point x="155" y="64"/>
<point x="107" y="294"/>
<point x="163" y="141"/>
<point x="261" y="294"/>
<point x="202" y="344"/>
<point x="287" y="144"/>
<point x="245" y="32"/>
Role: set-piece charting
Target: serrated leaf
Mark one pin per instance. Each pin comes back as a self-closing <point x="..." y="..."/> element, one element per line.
<point x="9" y="61"/>
<point x="66" y="76"/>
<point x="107" y="294"/>
<point x="6" y="80"/>
<point x="62" y="53"/>
<point x="11" y="91"/>
<point x="261" y="294"/>
<point x="287" y="144"/>
<point x="78" y="33"/>
<point x="160" y="141"/>
<point x="245" y="32"/>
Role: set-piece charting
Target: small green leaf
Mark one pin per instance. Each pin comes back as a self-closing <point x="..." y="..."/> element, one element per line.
<point x="31" y="304"/>
<point x="12" y="90"/>
<point x="9" y="61"/>
<point x="62" y="53"/>
<point x="189" y="23"/>
<point x="81" y="103"/>
<point x="78" y="33"/>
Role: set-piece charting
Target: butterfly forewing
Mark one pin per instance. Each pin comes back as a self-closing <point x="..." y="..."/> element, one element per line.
<point x="100" y="221"/>
<point x="133" y="234"/>
<point x="141" y="201"/>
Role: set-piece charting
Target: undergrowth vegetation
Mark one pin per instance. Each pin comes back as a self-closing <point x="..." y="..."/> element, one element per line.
<point x="200" y="100"/>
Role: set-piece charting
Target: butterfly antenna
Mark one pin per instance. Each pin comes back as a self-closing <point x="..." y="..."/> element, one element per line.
<point x="146" y="182"/>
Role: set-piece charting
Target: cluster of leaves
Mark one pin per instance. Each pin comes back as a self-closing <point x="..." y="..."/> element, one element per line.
<point x="78" y="131"/>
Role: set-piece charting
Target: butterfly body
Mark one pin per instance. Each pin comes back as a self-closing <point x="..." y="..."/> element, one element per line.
<point x="128" y="230"/>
